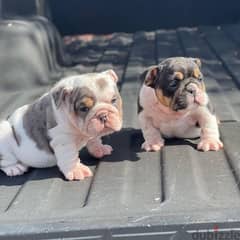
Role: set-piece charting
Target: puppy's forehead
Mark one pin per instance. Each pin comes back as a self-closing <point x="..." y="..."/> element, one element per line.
<point x="104" y="87"/>
<point x="102" y="83"/>
<point x="99" y="85"/>
<point x="82" y="92"/>
<point x="83" y="95"/>
<point x="179" y="64"/>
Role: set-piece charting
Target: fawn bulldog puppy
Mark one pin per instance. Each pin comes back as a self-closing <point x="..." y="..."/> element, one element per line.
<point x="76" y="112"/>
<point x="173" y="103"/>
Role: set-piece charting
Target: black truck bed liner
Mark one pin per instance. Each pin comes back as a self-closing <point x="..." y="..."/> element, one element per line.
<point x="133" y="194"/>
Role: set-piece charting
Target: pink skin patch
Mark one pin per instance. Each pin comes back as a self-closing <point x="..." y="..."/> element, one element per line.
<point x="84" y="38"/>
<point x="200" y="99"/>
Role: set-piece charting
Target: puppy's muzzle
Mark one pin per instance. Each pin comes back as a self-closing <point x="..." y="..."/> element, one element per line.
<point x="197" y="93"/>
<point x="103" y="117"/>
<point x="192" y="89"/>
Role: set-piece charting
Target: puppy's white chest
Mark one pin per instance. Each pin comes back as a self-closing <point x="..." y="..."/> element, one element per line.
<point x="182" y="127"/>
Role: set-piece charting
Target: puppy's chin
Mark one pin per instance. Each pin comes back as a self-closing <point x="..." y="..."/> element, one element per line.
<point x="189" y="102"/>
<point x="96" y="127"/>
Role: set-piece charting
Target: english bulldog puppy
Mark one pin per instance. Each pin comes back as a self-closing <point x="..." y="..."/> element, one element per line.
<point x="173" y="103"/>
<point x="76" y="112"/>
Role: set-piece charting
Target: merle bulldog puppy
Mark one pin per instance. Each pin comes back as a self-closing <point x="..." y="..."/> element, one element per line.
<point x="76" y="112"/>
<point x="173" y="103"/>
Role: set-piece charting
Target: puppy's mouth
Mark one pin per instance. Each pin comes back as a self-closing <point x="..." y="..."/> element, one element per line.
<point x="104" y="121"/>
<point x="189" y="98"/>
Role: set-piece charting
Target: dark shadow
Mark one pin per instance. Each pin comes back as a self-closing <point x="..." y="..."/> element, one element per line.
<point x="31" y="175"/>
<point x="13" y="181"/>
<point x="126" y="144"/>
<point x="178" y="141"/>
<point x="127" y="147"/>
<point x="138" y="139"/>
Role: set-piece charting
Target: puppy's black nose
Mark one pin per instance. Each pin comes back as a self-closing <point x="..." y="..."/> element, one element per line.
<point x="191" y="91"/>
<point x="103" y="117"/>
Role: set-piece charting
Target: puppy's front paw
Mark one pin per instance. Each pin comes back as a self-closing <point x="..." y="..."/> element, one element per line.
<point x="153" y="145"/>
<point x="100" y="150"/>
<point x="15" y="170"/>
<point x="79" y="172"/>
<point x="210" y="144"/>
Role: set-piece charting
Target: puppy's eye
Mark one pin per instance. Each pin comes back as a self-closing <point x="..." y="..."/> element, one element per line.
<point x="173" y="83"/>
<point x="84" y="109"/>
<point x="114" y="100"/>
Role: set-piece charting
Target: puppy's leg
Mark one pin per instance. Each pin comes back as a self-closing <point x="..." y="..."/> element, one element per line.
<point x="12" y="167"/>
<point x="97" y="149"/>
<point x="210" y="139"/>
<point x="8" y="161"/>
<point x="152" y="135"/>
<point x="69" y="163"/>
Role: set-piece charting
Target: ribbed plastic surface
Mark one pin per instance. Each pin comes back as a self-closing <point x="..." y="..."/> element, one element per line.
<point x="134" y="194"/>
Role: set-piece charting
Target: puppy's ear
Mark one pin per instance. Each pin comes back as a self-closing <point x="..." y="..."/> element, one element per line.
<point x="59" y="95"/>
<point x="112" y="74"/>
<point x="197" y="61"/>
<point x="150" y="76"/>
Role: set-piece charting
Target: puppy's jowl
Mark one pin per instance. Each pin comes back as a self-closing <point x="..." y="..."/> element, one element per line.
<point x="173" y="103"/>
<point x="77" y="111"/>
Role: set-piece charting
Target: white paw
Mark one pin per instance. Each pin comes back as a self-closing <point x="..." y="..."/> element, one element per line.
<point x="16" y="169"/>
<point x="79" y="172"/>
<point x="100" y="151"/>
<point x="153" y="145"/>
<point x="210" y="144"/>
